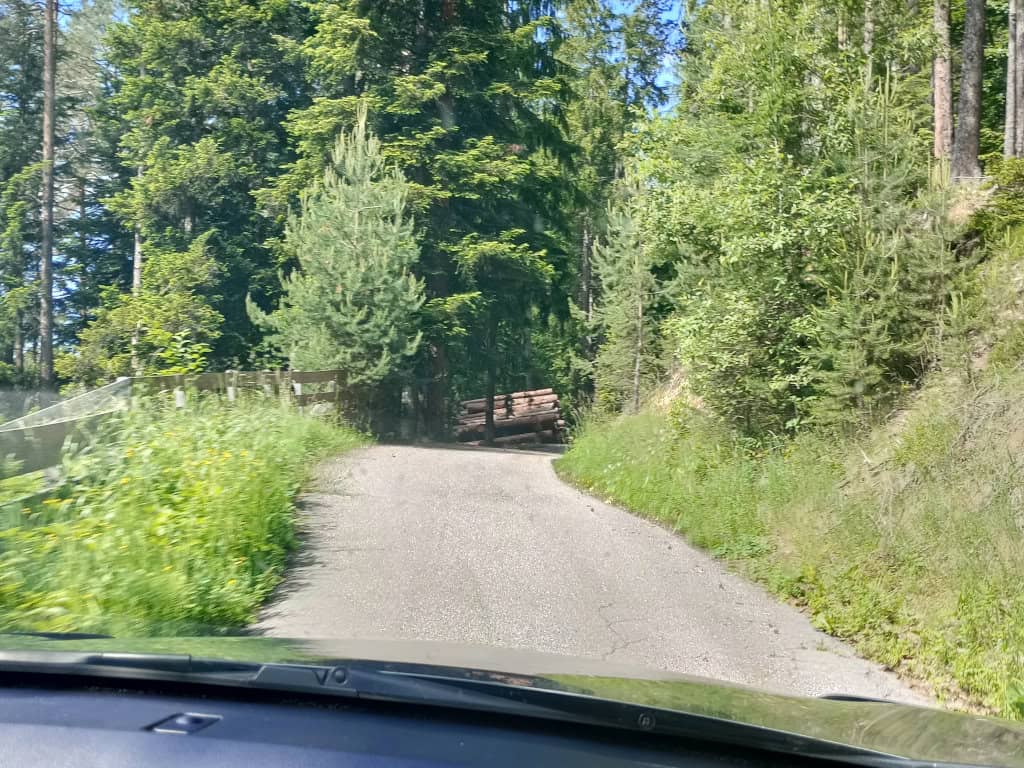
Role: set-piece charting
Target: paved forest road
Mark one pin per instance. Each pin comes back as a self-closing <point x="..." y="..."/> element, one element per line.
<point x="489" y="547"/>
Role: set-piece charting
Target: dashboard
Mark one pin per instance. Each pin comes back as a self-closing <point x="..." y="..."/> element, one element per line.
<point x="78" y="725"/>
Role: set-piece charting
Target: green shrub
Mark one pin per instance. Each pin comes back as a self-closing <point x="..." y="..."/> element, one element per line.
<point x="169" y="521"/>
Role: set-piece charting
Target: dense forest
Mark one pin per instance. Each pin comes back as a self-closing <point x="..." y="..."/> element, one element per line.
<point x="773" y="201"/>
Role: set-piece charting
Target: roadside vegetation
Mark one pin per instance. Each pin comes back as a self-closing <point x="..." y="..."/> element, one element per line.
<point x="169" y="522"/>
<point x="810" y="329"/>
<point x="906" y="538"/>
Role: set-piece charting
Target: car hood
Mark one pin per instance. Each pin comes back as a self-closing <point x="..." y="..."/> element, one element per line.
<point x="918" y="733"/>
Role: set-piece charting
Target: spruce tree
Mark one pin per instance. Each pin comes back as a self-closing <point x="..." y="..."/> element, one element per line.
<point x="627" y="360"/>
<point x="467" y="99"/>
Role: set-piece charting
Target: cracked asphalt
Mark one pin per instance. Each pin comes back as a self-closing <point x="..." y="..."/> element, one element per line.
<point x="489" y="547"/>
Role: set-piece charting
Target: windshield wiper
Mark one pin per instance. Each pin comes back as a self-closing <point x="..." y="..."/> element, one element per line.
<point x="411" y="684"/>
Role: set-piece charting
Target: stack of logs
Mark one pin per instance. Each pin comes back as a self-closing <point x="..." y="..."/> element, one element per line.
<point x="519" y="418"/>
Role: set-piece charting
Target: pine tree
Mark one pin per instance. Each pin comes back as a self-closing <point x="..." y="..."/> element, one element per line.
<point x="199" y="102"/>
<point x="352" y="303"/>
<point x="627" y="360"/>
<point x="616" y="56"/>
<point x="21" y="59"/>
<point x="466" y="97"/>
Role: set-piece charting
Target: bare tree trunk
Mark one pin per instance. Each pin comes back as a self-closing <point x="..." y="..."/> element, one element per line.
<point x="587" y="283"/>
<point x="942" y="83"/>
<point x="1010" y="120"/>
<point x="83" y="233"/>
<point x="1013" y="135"/>
<point x="137" y="269"/>
<point x="492" y="374"/>
<point x="1019" y="81"/>
<point x="46" y="213"/>
<point x="967" y="139"/>
<point x="136" y="287"/>
<point x="437" y="389"/>
<point x="18" y="351"/>
<point x="137" y="261"/>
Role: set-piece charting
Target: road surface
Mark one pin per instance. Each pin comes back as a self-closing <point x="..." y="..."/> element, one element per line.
<point x="489" y="547"/>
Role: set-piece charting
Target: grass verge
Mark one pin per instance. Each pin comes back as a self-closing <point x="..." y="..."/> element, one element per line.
<point x="909" y="543"/>
<point x="170" y="522"/>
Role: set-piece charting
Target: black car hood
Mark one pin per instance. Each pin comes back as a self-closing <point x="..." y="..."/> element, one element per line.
<point x="918" y="733"/>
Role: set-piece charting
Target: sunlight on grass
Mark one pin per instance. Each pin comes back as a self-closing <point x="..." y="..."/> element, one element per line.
<point x="909" y="542"/>
<point x="181" y="519"/>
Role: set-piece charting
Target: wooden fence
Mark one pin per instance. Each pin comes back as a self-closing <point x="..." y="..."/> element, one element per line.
<point x="37" y="441"/>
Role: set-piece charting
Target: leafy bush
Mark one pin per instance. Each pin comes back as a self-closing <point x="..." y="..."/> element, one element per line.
<point x="1005" y="207"/>
<point x="169" y="522"/>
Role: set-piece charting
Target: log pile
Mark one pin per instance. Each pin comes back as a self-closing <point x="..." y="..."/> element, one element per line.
<point x="520" y="418"/>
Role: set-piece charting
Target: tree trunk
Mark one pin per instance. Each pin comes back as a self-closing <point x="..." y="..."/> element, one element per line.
<point x="437" y="389"/>
<point x="639" y="351"/>
<point x="492" y="375"/>
<point x="967" y="139"/>
<point x="18" y="351"/>
<point x="136" y="287"/>
<point x="587" y="283"/>
<point x="1010" y="119"/>
<point x="137" y="267"/>
<point x="1013" y="136"/>
<point x="942" y="83"/>
<point x="1019" y="78"/>
<point x="46" y="213"/>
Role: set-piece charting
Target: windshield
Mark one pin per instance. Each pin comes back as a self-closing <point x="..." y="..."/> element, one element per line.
<point x="672" y="336"/>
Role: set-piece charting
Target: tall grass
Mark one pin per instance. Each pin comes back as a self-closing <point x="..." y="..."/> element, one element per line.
<point x="909" y="542"/>
<point x="169" y="521"/>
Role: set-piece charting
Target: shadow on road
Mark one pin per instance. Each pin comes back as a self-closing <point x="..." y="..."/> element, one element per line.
<point x="550" y="449"/>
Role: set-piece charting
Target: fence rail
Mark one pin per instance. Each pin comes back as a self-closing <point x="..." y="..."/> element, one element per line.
<point x="37" y="441"/>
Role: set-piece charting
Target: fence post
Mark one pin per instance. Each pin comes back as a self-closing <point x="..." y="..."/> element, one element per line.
<point x="231" y="384"/>
<point x="179" y="391"/>
<point x="285" y="386"/>
<point x="297" y="391"/>
<point x="337" y="392"/>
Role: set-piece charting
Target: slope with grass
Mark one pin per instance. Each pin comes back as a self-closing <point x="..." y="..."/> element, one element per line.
<point x="908" y="542"/>
<point x="170" y="522"/>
